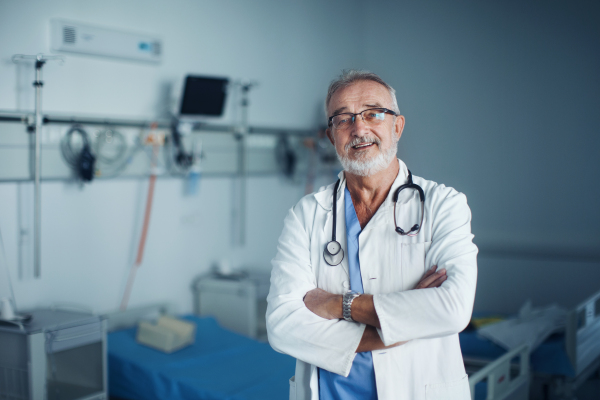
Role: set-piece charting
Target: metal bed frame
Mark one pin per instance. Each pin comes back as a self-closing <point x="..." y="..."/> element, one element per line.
<point x="582" y="343"/>
<point x="507" y="377"/>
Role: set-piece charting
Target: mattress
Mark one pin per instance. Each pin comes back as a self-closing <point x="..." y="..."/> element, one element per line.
<point x="221" y="365"/>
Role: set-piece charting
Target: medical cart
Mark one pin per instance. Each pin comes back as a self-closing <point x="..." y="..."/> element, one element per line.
<point x="238" y="301"/>
<point x="55" y="355"/>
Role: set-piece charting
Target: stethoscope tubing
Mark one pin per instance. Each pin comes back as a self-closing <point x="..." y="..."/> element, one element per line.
<point x="334" y="254"/>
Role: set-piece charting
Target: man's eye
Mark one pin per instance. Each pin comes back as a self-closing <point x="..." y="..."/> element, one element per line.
<point x="376" y="115"/>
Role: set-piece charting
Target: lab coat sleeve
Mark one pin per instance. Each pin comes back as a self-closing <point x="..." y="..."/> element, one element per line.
<point x="291" y="327"/>
<point x="436" y="312"/>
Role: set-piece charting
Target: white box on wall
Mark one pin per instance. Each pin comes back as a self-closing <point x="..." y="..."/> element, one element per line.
<point x="75" y="37"/>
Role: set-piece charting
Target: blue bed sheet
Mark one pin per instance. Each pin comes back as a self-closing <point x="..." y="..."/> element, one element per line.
<point x="549" y="358"/>
<point x="221" y="365"/>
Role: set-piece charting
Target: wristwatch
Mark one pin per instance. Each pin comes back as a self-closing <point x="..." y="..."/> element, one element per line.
<point x="348" y="298"/>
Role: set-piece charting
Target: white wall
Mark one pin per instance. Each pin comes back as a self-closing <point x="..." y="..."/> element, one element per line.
<point x="500" y="98"/>
<point x="501" y="101"/>
<point x="90" y="234"/>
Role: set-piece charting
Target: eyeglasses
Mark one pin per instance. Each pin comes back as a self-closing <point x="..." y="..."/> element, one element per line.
<point x="371" y="116"/>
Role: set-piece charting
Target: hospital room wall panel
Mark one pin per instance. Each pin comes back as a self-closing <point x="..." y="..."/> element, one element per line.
<point x="505" y="284"/>
<point x="90" y="232"/>
<point x="501" y="100"/>
<point x="90" y="237"/>
<point x="220" y="153"/>
<point x="284" y="46"/>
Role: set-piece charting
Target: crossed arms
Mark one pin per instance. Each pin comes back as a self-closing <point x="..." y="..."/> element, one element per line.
<point x="329" y="306"/>
<point x="303" y="321"/>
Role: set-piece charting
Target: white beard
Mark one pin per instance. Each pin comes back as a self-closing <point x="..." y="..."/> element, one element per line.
<point x="370" y="166"/>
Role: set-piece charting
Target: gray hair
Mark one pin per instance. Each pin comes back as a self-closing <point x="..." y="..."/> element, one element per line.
<point x="351" y="76"/>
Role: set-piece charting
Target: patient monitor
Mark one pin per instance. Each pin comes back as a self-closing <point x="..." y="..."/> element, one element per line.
<point x="203" y="96"/>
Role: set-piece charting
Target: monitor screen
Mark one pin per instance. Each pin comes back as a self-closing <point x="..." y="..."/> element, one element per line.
<point x="203" y="96"/>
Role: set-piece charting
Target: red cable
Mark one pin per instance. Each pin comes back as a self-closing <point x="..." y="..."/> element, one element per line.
<point x="142" y="244"/>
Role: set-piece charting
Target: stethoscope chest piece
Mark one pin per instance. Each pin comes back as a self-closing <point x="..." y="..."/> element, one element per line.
<point x="333" y="253"/>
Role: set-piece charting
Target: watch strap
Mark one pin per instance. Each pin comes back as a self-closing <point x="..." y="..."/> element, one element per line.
<point x="348" y="298"/>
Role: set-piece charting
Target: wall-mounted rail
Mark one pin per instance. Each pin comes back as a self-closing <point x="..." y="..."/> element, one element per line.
<point x="28" y="119"/>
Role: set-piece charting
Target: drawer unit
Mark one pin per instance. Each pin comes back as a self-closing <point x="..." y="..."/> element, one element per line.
<point x="238" y="302"/>
<point x="57" y="354"/>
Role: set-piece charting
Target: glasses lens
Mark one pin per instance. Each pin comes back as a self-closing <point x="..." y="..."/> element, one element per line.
<point x="342" y="121"/>
<point x="374" y="115"/>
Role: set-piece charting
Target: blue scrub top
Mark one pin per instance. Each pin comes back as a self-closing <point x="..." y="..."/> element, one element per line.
<point x="360" y="384"/>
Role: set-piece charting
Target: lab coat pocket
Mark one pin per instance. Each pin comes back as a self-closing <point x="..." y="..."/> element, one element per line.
<point x="454" y="390"/>
<point x="412" y="263"/>
<point x="293" y="388"/>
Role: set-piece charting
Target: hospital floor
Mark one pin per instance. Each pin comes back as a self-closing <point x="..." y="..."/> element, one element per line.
<point x="590" y="390"/>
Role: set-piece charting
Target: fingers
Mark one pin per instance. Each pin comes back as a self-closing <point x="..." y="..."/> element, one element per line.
<point x="428" y="278"/>
<point x="438" y="282"/>
<point x="429" y="272"/>
<point x="432" y="278"/>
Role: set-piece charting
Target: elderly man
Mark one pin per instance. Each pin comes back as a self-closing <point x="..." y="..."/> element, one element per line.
<point x="374" y="275"/>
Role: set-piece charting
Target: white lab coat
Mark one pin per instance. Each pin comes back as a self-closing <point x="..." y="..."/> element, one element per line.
<point x="430" y="365"/>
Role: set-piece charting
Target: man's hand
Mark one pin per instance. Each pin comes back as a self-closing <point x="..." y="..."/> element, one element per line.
<point x="324" y="304"/>
<point x="329" y="306"/>
<point x="432" y="279"/>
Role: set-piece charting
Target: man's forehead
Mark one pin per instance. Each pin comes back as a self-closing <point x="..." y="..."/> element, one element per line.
<point x="360" y="94"/>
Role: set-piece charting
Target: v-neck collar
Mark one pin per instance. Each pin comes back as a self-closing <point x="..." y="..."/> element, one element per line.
<point x="353" y="228"/>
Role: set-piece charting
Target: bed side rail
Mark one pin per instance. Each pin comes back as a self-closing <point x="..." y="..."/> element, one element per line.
<point x="130" y="317"/>
<point x="500" y="383"/>
<point x="582" y="333"/>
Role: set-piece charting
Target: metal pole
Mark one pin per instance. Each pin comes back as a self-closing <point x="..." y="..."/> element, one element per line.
<point x="40" y="60"/>
<point x="37" y="215"/>
<point x="242" y="167"/>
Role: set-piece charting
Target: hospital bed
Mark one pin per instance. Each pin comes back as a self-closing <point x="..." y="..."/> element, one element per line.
<point x="225" y="365"/>
<point x="559" y="365"/>
<point x="220" y="364"/>
<point x="506" y="377"/>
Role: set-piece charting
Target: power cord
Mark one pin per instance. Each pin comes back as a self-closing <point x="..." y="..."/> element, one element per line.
<point x="182" y="158"/>
<point x="111" y="150"/>
<point x="82" y="160"/>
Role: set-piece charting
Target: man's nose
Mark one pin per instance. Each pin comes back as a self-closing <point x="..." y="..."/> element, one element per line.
<point x="359" y="125"/>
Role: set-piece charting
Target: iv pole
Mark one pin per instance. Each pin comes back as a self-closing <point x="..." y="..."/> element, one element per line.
<point x="241" y="134"/>
<point x="40" y="60"/>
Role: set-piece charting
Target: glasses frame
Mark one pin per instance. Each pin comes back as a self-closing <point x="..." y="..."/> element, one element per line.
<point x="385" y="110"/>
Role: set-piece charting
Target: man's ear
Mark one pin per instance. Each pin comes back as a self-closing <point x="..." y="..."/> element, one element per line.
<point x="330" y="136"/>
<point x="399" y="126"/>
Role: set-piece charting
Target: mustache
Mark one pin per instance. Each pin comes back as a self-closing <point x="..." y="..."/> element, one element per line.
<point x="362" y="140"/>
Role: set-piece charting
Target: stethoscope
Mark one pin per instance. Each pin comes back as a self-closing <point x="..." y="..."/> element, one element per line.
<point x="334" y="254"/>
